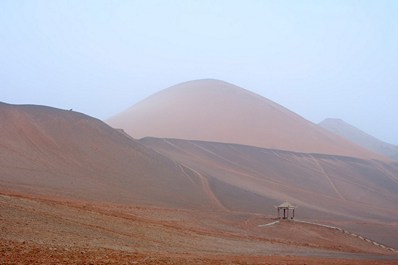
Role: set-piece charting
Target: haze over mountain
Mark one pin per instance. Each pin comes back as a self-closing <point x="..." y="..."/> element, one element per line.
<point x="192" y="174"/>
<point x="213" y="110"/>
<point x="359" y="137"/>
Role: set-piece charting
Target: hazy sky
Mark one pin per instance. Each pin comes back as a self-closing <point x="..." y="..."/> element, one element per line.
<point x="318" y="58"/>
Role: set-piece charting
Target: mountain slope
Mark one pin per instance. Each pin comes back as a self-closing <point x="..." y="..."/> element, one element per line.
<point x="362" y="194"/>
<point x="359" y="137"/>
<point x="212" y="110"/>
<point x="54" y="152"/>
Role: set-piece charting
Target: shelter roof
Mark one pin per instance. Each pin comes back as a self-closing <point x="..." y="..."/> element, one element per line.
<point x="286" y="204"/>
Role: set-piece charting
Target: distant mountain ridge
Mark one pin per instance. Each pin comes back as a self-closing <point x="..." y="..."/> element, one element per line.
<point x="355" y="135"/>
<point x="214" y="110"/>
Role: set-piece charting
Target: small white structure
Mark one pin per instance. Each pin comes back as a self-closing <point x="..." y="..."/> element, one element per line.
<point x="284" y="210"/>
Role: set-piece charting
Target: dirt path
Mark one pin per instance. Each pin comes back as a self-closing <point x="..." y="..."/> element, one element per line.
<point x="208" y="190"/>
<point x="351" y="234"/>
<point x="324" y="173"/>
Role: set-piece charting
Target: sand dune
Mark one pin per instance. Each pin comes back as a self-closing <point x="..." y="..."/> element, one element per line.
<point x="212" y="110"/>
<point x="63" y="153"/>
<point x="359" y="137"/>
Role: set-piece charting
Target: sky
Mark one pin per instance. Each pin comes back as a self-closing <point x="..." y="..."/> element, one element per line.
<point x="320" y="59"/>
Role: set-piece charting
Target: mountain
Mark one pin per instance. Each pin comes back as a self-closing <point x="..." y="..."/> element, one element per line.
<point x="359" y="137"/>
<point x="213" y="110"/>
<point x="48" y="151"/>
<point x="52" y="153"/>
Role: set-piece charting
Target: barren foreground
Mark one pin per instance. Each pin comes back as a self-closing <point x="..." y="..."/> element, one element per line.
<point x="47" y="231"/>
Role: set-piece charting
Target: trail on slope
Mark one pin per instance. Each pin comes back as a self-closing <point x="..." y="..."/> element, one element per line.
<point x="328" y="178"/>
<point x="206" y="187"/>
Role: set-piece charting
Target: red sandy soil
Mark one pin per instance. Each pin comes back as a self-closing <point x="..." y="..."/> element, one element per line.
<point x="47" y="231"/>
<point x="213" y="110"/>
<point x="22" y="253"/>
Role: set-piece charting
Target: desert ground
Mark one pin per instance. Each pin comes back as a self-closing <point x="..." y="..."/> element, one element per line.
<point x="53" y="231"/>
